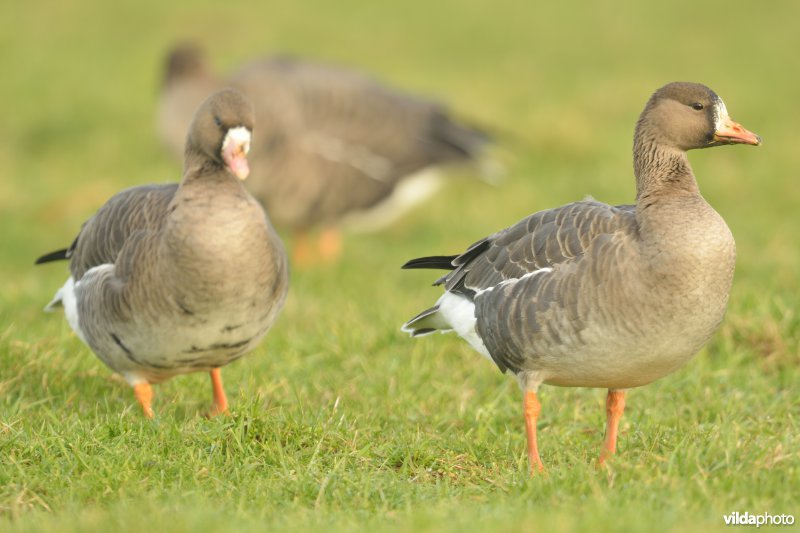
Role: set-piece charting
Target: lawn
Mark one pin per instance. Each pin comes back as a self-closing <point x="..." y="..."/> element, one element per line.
<point x="339" y="421"/>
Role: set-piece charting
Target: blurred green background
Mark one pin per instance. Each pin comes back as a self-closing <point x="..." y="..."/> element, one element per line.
<point x="561" y="84"/>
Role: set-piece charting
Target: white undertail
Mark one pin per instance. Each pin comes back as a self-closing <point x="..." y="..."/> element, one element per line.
<point x="65" y="296"/>
<point x="459" y="312"/>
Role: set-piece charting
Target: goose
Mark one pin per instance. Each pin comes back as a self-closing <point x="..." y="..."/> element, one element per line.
<point x="595" y="295"/>
<point x="178" y="278"/>
<point x="336" y="147"/>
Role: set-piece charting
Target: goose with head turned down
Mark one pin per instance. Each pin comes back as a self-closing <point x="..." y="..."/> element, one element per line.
<point x="334" y="146"/>
<point x="179" y="278"/>
<point x="594" y="295"/>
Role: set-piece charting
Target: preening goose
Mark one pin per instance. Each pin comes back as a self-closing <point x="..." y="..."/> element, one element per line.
<point x="333" y="145"/>
<point x="179" y="278"/>
<point x="594" y="295"/>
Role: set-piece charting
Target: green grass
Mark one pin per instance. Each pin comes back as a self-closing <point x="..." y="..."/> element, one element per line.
<point x="338" y="420"/>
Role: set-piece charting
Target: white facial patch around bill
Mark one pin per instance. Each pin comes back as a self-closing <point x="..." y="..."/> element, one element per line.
<point x="720" y="114"/>
<point x="234" y="151"/>
<point x="239" y="136"/>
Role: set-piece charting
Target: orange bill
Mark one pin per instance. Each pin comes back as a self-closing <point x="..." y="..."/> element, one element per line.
<point x="731" y="132"/>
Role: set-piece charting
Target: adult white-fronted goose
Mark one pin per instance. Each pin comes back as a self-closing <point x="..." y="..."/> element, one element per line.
<point x="179" y="278"/>
<point x="333" y="145"/>
<point x="594" y="295"/>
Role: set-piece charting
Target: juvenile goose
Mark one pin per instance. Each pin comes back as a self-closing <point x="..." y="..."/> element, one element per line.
<point x="594" y="295"/>
<point x="334" y="146"/>
<point x="179" y="278"/>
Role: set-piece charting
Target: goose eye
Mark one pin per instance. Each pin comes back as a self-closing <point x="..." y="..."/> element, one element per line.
<point x="218" y="122"/>
<point x="697" y="106"/>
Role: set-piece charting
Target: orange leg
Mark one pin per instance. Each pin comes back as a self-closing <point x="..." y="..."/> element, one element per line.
<point x="532" y="410"/>
<point x="330" y="244"/>
<point x="144" y="394"/>
<point x="615" y="405"/>
<point x="220" y="400"/>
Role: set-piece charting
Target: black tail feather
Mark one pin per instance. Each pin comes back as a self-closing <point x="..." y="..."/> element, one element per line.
<point x="58" y="255"/>
<point x="444" y="262"/>
<point x="458" y="140"/>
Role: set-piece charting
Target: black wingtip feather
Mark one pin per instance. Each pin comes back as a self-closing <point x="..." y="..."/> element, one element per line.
<point x="58" y="255"/>
<point x="444" y="262"/>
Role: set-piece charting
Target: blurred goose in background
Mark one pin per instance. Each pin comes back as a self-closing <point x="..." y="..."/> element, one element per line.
<point x="334" y="146"/>
<point x="594" y="295"/>
<point x="179" y="278"/>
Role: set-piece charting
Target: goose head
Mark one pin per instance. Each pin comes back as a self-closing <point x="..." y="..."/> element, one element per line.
<point x="221" y="131"/>
<point x="687" y="116"/>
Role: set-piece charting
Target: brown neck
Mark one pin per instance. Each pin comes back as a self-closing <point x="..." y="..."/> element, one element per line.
<point x="660" y="169"/>
<point x="196" y="162"/>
